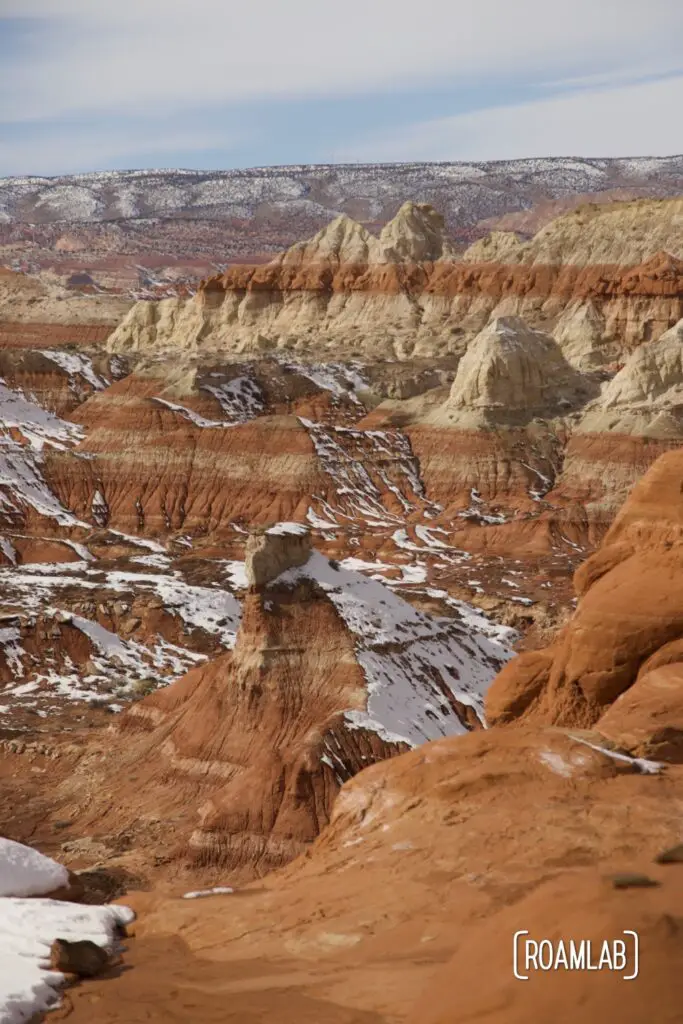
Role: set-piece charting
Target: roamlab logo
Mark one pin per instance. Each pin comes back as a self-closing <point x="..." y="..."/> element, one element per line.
<point x="618" y="955"/>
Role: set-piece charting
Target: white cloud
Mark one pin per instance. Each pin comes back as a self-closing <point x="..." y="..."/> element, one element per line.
<point x="629" y="120"/>
<point x="159" y="56"/>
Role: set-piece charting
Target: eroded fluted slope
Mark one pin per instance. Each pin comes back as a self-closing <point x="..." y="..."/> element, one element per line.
<point x="617" y="665"/>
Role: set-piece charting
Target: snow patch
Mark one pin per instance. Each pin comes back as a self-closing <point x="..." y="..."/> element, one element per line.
<point x="286" y="529"/>
<point x="219" y="890"/>
<point x="416" y="665"/>
<point x="76" y="365"/>
<point x="26" y="872"/>
<point x="28" y="927"/>
<point x="644" y="766"/>
<point x="241" y="398"/>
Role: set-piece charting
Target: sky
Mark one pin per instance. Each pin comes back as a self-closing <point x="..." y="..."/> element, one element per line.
<point x="93" y="85"/>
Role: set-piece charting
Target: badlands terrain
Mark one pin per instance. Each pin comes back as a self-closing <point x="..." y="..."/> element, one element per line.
<point x="342" y="622"/>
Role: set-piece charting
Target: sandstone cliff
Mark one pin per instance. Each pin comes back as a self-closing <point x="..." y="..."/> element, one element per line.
<point x="616" y="667"/>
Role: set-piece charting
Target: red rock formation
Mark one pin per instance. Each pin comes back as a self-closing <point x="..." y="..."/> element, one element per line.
<point x="158" y="471"/>
<point x="412" y="895"/>
<point x="254" y="745"/>
<point x="618" y="660"/>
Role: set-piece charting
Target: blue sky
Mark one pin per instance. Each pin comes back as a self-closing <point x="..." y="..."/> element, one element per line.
<point x="217" y="83"/>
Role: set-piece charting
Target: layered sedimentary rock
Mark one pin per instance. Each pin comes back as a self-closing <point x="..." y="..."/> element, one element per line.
<point x="580" y="331"/>
<point x="331" y="671"/>
<point x="405" y="899"/>
<point x="617" y="663"/>
<point x="646" y="396"/>
<point x="169" y="456"/>
<point x="37" y="310"/>
<point x="403" y="294"/>
<point x="616" y="233"/>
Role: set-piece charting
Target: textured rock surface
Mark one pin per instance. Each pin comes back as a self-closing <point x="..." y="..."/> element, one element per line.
<point x="405" y="896"/>
<point x="511" y="374"/>
<point x="349" y="291"/>
<point x="246" y="753"/>
<point x="619" y="656"/>
<point x="286" y="741"/>
<point x="286" y="546"/>
<point x="580" y="333"/>
<point x="35" y="303"/>
<point x="646" y="396"/>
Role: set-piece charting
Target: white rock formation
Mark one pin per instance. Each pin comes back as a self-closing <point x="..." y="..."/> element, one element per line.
<point x="417" y="234"/>
<point x="511" y="373"/>
<point x="498" y="247"/>
<point x="343" y="241"/>
<point x="383" y="320"/>
<point x="646" y="396"/>
<point x="580" y="332"/>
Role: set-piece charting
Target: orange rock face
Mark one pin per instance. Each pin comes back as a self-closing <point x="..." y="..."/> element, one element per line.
<point x="431" y="862"/>
<point x="618" y="660"/>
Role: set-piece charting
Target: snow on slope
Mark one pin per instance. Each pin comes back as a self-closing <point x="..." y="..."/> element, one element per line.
<point x="36" y="424"/>
<point x="374" y="474"/>
<point x="21" y="479"/>
<point x="240" y="398"/>
<point x="26" y="872"/>
<point x="465" y="192"/>
<point x="415" y="664"/>
<point x="114" y="664"/>
<point x="75" y="365"/>
<point x="343" y="381"/>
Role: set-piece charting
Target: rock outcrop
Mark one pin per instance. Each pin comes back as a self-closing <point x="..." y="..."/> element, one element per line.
<point x="343" y="240"/>
<point x="331" y="672"/>
<point x="270" y="553"/>
<point x="511" y="374"/>
<point x="618" y="661"/>
<point x="646" y="396"/>
<point x="403" y="294"/>
<point x="580" y="333"/>
<point x="417" y="234"/>
<point x="407" y="887"/>
<point x="497" y="247"/>
<point x="626" y="233"/>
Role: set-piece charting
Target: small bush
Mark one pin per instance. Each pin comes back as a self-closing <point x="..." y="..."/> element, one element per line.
<point x="142" y="688"/>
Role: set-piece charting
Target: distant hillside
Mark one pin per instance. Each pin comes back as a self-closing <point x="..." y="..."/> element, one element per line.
<point x="464" y="192"/>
